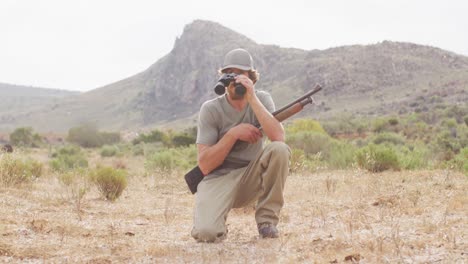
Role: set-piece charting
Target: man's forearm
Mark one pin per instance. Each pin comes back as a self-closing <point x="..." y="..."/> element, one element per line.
<point x="213" y="156"/>
<point x="270" y="125"/>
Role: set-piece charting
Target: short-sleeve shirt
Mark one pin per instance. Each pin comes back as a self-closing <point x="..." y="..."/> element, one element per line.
<point x="217" y="116"/>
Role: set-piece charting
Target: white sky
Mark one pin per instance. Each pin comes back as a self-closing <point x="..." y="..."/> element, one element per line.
<point x="85" y="44"/>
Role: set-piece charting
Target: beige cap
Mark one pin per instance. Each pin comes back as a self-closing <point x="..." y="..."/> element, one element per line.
<point x="239" y="59"/>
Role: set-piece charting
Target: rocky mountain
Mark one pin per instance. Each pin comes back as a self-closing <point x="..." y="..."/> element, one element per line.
<point x="364" y="80"/>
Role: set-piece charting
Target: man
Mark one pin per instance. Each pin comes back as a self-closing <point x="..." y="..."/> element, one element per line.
<point x="237" y="169"/>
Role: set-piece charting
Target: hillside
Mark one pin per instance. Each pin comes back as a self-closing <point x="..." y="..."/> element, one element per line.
<point x="24" y="100"/>
<point x="387" y="77"/>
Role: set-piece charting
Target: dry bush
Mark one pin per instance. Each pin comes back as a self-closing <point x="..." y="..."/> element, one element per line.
<point x="15" y="170"/>
<point x="377" y="158"/>
<point x="109" y="181"/>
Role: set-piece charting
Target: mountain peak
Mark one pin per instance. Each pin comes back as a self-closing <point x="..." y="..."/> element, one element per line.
<point x="206" y="34"/>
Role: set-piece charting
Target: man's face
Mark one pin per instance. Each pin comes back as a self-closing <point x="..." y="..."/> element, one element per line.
<point x="231" y="89"/>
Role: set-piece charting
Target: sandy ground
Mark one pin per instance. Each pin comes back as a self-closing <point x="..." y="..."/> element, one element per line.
<point x="329" y="217"/>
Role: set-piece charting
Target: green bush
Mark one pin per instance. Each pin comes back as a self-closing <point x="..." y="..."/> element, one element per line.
<point x="109" y="151"/>
<point x="309" y="141"/>
<point x="414" y="157"/>
<point x="377" y="158"/>
<point x="460" y="161"/>
<point x="345" y="124"/>
<point x="183" y="140"/>
<point x="303" y="125"/>
<point x="340" y="155"/>
<point x="14" y="170"/>
<point x="153" y="136"/>
<point x="76" y="182"/>
<point x="68" y="158"/>
<point x="447" y="141"/>
<point x="388" y="137"/>
<point x="25" y="137"/>
<point x="88" y="136"/>
<point x="456" y="112"/>
<point x="386" y="124"/>
<point x="168" y="159"/>
<point x="109" y="181"/>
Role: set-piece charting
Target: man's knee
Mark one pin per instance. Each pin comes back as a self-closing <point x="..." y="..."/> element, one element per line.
<point x="279" y="149"/>
<point x="207" y="234"/>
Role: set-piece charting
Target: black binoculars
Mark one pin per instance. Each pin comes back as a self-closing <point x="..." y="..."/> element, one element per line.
<point x="224" y="81"/>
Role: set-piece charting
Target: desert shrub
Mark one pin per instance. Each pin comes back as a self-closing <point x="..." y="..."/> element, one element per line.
<point x="76" y="181"/>
<point x="393" y="121"/>
<point x="168" y="159"/>
<point x="88" y="136"/>
<point x="109" y="151"/>
<point x="459" y="162"/>
<point x="415" y="129"/>
<point x="25" y="137"/>
<point x="183" y="139"/>
<point x="345" y="125"/>
<point x="379" y="125"/>
<point x="456" y="112"/>
<point x="68" y="158"/>
<point x="146" y="149"/>
<point x="297" y="160"/>
<point x="377" y="158"/>
<point x="466" y="119"/>
<point x="153" y="136"/>
<point x="310" y="142"/>
<point x="163" y="160"/>
<point x="386" y="124"/>
<point x="301" y="125"/>
<point x="414" y="157"/>
<point x="109" y="181"/>
<point x="450" y="123"/>
<point x="447" y="141"/>
<point x="388" y="137"/>
<point x="15" y="170"/>
<point x="340" y="155"/>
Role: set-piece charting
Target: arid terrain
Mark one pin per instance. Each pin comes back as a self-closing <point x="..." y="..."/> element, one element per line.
<point x="329" y="217"/>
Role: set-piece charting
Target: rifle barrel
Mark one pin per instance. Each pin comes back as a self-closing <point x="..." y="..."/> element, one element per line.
<point x="309" y="94"/>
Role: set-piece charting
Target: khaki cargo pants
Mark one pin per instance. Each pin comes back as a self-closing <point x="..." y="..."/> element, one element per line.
<point x="263" y="180"/>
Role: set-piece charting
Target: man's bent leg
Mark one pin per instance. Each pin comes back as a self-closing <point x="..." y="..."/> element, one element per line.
<point x="213" y="201"/>
<point x="265" y="179"/>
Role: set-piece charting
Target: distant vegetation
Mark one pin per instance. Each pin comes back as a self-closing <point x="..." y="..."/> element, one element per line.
<point x="88" y="136"/>
<point x="419" y="140"/>
<point x="25" y="137"/>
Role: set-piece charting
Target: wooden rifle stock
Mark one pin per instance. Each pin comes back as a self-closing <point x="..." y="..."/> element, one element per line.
<point x="195" y="176"/>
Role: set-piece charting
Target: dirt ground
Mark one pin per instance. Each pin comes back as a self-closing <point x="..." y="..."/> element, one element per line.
<point x="329" y="217"/>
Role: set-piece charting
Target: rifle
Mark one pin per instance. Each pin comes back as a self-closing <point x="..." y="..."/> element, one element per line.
<point x="195" y="176"/>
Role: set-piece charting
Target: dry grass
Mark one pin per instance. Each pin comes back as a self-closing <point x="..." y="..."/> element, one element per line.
<point x="329" y="217"/>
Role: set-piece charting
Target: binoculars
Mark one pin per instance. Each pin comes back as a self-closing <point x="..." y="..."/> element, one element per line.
<point x="224" y="81"/>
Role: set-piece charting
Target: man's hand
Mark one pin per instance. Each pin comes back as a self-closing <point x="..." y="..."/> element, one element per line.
<point x="246" y="132"/>
<point x="248" y="84"/>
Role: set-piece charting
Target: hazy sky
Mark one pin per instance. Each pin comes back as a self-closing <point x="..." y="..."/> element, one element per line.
<point x="85" y="44"/>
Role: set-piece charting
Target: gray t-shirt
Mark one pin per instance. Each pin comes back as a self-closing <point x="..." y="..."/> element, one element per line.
<point x="217" y="116"/>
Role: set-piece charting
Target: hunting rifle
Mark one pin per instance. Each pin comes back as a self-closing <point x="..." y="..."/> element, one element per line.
<point x="195" y="176"/>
